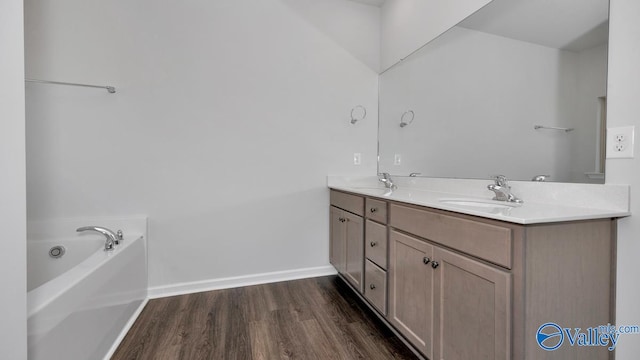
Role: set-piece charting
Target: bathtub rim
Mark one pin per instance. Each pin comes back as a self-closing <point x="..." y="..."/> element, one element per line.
<point x="43" y="246"/>
<point x="42" y="296"/>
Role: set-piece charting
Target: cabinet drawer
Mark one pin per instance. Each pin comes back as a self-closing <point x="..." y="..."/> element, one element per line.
<point x="375" y="289"/>
<point x="375" y="244"/>
<point x="376" y="210"/>
<point x="486" y="241"/>
<point x="351" y="203"/>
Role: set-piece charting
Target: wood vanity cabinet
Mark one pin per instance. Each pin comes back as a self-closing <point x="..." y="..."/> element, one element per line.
<point x="411" y="281"/>
<point x="466" y="287"/>
<point x="376" y="239"/>
<point x="446" y="303"/>
<point x="347" y="237"/>
<point x="472" y="307"/>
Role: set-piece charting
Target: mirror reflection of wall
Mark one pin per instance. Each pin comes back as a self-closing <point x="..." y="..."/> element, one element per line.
<point x="478" y="90"/>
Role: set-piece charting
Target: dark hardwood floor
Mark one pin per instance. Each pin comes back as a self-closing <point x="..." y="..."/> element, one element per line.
<point x="318" y="318"/>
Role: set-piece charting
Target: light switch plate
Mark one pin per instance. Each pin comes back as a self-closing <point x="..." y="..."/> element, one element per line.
<point x="620" y="142"/>
<point x="357" y="159"/>
<point x="397" y="159"/>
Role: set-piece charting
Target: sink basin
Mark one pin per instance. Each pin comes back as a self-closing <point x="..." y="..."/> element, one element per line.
<point x="375" y="190"/>
<point x="492" y="206"/>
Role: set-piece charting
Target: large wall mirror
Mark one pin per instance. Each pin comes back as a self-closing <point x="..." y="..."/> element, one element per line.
<point x="518" y="88"/>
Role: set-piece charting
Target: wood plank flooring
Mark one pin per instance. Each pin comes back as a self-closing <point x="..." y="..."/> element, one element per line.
<point x="318" y="318"/>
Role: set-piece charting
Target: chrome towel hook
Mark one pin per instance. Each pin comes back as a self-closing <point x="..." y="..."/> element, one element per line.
<point x="409" y="114"/>
<point x="358" y="113"/>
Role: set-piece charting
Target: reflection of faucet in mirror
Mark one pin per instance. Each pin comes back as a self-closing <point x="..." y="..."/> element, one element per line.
<point x="540" y="178"/>
<point x="386" y="180"/>
<point x="502" y="190"/>
<point x="414" y="174"/>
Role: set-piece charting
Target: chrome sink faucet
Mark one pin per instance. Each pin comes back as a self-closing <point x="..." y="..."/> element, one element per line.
<point x="502" y="190"/>
<point x="385" y="178"/>
<point x="112" y="238"/>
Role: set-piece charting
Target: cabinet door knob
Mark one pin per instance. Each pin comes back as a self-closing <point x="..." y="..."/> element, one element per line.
<point x="372" y="286"/>
<point x="373" y="243"/>
<point x="373" y="210"/>
<point x="426" y="260"/>
<point x="435" y="264"/>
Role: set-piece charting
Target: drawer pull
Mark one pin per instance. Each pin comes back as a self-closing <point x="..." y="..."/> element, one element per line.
<point x="372" y="286"/>
<point x="373" y="210"/>
<point x="435" y="264"/>
<point x="426" y="260"/>
<point x="373" y="243"/>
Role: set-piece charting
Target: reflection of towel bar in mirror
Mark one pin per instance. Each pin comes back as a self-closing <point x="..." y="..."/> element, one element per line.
<point x="110" y="89"/>
<point x="537" y="127"/>
<point x="409" y="114"/>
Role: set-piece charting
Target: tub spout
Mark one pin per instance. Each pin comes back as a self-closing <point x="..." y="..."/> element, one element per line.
<point x="111" y="237"/>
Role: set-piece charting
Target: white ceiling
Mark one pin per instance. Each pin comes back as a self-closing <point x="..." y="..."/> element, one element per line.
<point x="564" y="24"/>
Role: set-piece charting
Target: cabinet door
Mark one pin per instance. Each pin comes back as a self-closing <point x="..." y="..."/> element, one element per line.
<point x="354" y="237"/>
<point x="472" y="307"/>
<point x="337" y="244"/>
<point x="411" y="290"/>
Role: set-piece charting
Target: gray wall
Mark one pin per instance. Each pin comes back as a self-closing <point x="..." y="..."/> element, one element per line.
<point x="229" y="116"/>
<point x="13" y="282"/>
<point x="624" y="110"/>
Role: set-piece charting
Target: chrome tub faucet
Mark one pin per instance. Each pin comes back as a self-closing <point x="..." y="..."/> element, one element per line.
<point x="112" y="238"/>
<point x="502" y="190"/>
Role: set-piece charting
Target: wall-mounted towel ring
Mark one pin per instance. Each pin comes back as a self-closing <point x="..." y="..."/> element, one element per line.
<point x="407" y="118"/>
<point x="358" y="113"/>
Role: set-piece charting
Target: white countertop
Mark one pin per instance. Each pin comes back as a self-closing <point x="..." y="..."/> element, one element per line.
<point x="554" y="202"/>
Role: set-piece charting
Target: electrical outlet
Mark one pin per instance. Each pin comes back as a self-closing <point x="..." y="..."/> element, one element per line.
<point x="357" y="159"/>
<point x="620" y="142"/>
<point x="397" y="159"/>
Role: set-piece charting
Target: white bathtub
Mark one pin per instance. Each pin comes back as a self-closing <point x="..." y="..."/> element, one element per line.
<point x="80" y="304"/>
<point x="42" y="267"/>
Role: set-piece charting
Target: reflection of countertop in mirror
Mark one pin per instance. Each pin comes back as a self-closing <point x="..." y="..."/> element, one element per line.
<point x="543" y="202"/>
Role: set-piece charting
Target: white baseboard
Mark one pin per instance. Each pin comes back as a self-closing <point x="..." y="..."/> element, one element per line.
<point x="126" y="329"/>
<point x="238" y="281"/>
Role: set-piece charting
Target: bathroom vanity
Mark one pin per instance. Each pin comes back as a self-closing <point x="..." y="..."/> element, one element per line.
<point x="456" y="285"/>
